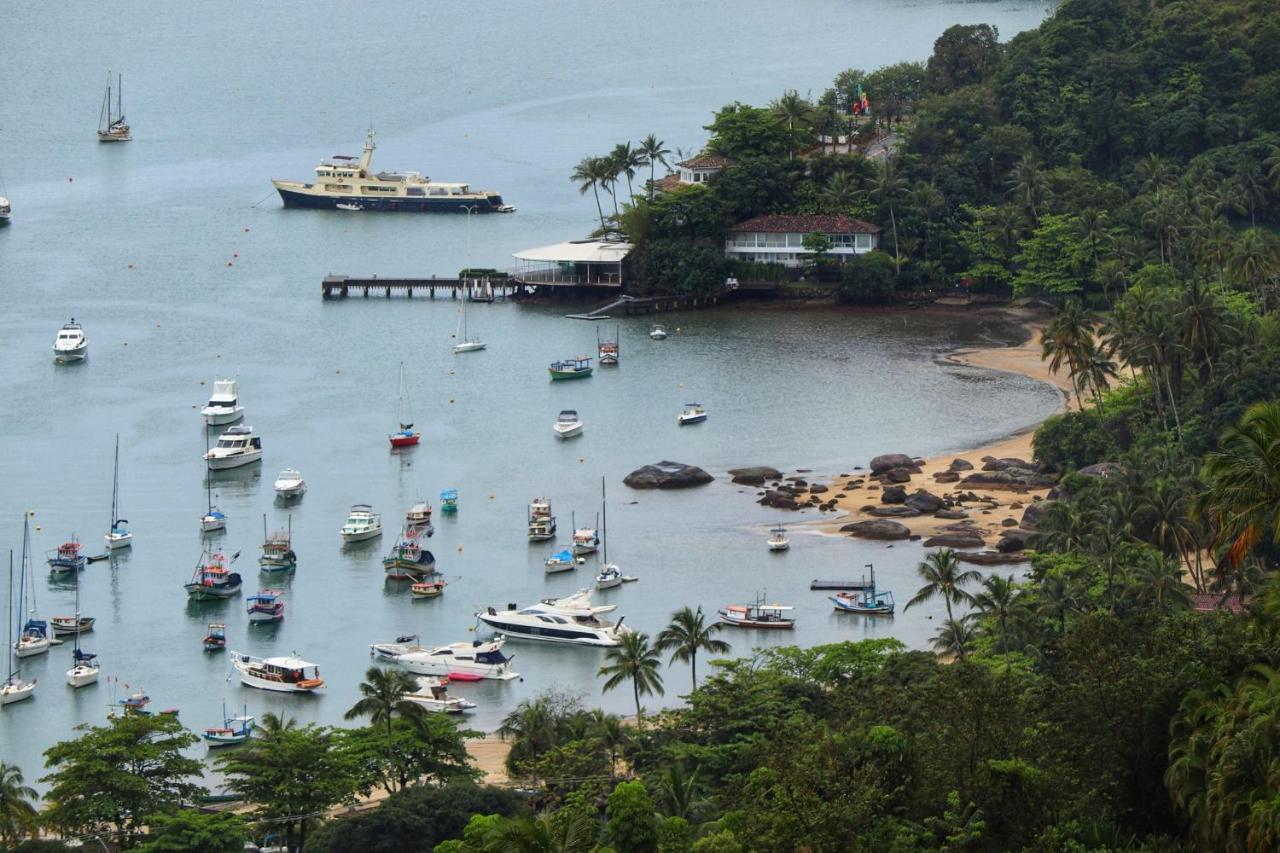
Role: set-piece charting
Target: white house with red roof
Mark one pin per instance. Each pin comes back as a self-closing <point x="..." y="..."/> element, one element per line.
<point x="695" y="170"/>
<point x="779" y="238"/>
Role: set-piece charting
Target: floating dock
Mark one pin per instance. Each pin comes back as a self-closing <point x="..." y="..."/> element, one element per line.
<point x="817" y="584"/>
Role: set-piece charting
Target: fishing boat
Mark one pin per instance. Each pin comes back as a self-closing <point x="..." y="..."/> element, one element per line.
<point x="279" y="674"/>
<point x="405" y="436"/>
<point x="562" y="561"/>
<point x="67" y="626"/>
<point x="418" y="517"/>
<point x="568" y="424"/>
<point x="213" y="579"/>
<point x="758" y="615"/>
<point x="433" y="695"/>
<point x="289" y="484"/>
<point x="214" y="519"/>
<point x="265" y="607"/>
<point x="351" y="181"/>
<point x="215" y="640"/>
<point x="66" y="558"/>
<point x="572" y="619"/>
<point x="778" y="540"/>
<point x="71" y="344"/>
<point x="465" y="343"/>
<point x="119" y="535"/>
<point x="15" y="687"/>
<point x="609" y="576"/>
<point x="224" y="404"/>
<point x="607" y="351"/>
<point x="111" y="124"/>
<point x="474" y="661"/>
<point x="427" y="589"/>
<point x="236" y="447"/>
<point x="657" y="333"/>
<point x="542" y="524"/>
<point x="586" y="540"/>
<point x="84" y="665"/>
<point x="233" y="731"/>
<point x="571" y="368"/>
<point x="449" y="501"/>
<point x="362" y="523"/>
<point x="408" y="560"/>
<point x="868" y="601"/>
<point x="693" y="414"/>
<point x="277" y="550"/>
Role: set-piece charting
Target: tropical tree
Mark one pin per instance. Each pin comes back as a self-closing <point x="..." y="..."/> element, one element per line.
<point x="1242" y="479"/>
<point x="887" y="186"/>
<point x="383" y="693"/>
<point x="1028" y="186"/>
<point x="590" y="174"/>
<point x="654" y="152"/>
<point x="841" y="193"/>
<point x="575" y="833"/>
<point x="628" y="160"/>
<point x="794" y="111"/>
<point x="634" y="660"/>
<point x="1156" y="581"/>
<point x="1056" y="600"/>
<point x="943" y="577"/>
<point x="608" y="731"/>
<point x="687" y="634"/>
<point x="677" y="791"/>
<point x="1069" y="338"/>
<point x="18" y="816"/>
<point x="532" y="729"/>
<point x="194" y="831"/>
<point x="955" y="637"/>
<point x="1000" y="600"/>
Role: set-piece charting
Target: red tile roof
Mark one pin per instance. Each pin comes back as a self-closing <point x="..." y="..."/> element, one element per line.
<point x="774" y="223"/>
<point x="1206" y="602"/>
<point x="707" y="161"/>
<point x="668" y="182"/>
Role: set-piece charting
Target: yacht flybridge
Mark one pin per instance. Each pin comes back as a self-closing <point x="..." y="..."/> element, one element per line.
<point x="223" y="407"/>
<point x="350" y="183"/>
<point x="236" y="447"/>
<point x="72" y="344"/>
<point x="564" y="620"/>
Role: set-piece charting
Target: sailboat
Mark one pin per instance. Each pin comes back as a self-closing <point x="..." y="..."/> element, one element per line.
<point x="119" y="535"/>
<point x="213" y="519"/>
<point x="14" y="688"/>
<point x="465" y="343"/>
<point x="111" y="124"/>
<point x="34" y="638"/>
<point x="610" y="575"/>
<point x="406" y="436"/>
<point x="84" y="665"/>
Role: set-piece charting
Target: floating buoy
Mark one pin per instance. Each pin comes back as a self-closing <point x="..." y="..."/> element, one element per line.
<point x="339" y="370"/>
<point x="235" y="254"/>
<point x="130" y="266"/>
<point x="450" y="400"/>
<point x="201" y="381"/>
<point x="490" y="497"/>
<point x="246" y="229"/>
<point x="459" y="549"/>
<point x="71" y="180"/>
<point x="228" y="263"/>
<point x="581" y="460"/>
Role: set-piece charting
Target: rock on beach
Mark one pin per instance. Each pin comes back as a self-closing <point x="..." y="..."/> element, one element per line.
<point x="667" y="475"/>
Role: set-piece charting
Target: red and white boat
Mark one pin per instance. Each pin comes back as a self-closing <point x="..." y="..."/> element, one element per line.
<point x="758" y="615"/>
<point x="266" y="606"/>
<point x="406" y="436"/>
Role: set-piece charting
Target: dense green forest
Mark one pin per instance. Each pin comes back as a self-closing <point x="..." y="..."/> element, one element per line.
<point x="1123" y="694"/>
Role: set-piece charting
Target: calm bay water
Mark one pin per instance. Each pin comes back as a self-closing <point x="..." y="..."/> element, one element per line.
<point x="504" y="95"/>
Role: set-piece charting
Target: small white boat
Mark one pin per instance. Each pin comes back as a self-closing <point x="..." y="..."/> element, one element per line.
<point x="348" y="206"/>
<point x="68" y="626"/>
<point x="290" y="484"/>
<point x="119" y="535"/>
<point x="586" y="540"/>
<point x="465" y="343"/>
<point x="758" y="615"/>
<point x="84" y="669"/>
<point x="403" y="645"/>
<point x="542" y="524"/>
<point x="223" y="406"/>
<point x="568" y="424"/>
<point x="15" y="689"/>
<point x="6" y="211"/>
<point x="778" y="540"/>
<point x="234" y="730"/>
<point x="281" y="674"/>
<point x="562" y="561"/>
<point x="72" y="344"/>
<point x="693" y="414"/>
<point x="418" y="517"/>
<point x="609" y="577"/>
<point x="236" y="447"/>
<point x="474" y="661"/>
<point x="362" y="523"/>
<point x="84" y="665"/>
<point x="213" y="520"/>
<point x="657" y="333"/>
<point x="432" y="695"/>
<point x="265" y="607"/>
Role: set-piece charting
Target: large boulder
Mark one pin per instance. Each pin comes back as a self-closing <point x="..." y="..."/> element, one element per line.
<point x="893" y="512"/>
<point x="990" y="558"/>
<point x="960" y="465"/>
<point x="881" y="529"/>
<point x="990" y="463"/>
<point x="947" y="477"/>
<point x="754" y="475"/>
<point x="1013" y="539"/>
<point x="667" y="475"/>
<point x="1011" y="479"/>
<point x="886" y="461"/>
<point x="893" y="495"/>
<point x="898" y="475"/>
<point x="955" y="540"/>
<point x="924" y="501"/>
<point x="817" y="489"/>
<point x="1033" y="513"/>
<point x="951" y="514"/>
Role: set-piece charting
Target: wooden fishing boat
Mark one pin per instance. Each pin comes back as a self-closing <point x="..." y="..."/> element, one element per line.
<point x="867" y="601"/>
<point x="216" y="638"/>
<point x="427" y="589"/>
<point x="571" y="368"/>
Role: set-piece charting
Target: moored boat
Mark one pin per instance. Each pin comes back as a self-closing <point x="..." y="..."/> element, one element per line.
<point x="758" y="615"/>
<point x="466" y="343"/>
<point x="362" y="523"/>
<point x="15" y="688"/>
<point x="586" y="540"/>
<point x="693" y="413"/>
<point x="607" y="351"/>
<point x="778" y="540"/>
<point x="406" y="435"/>
<point x="215" y="639"/>
<point x="472" y="661"/>
<point x="433" y="695"/>
<point x="657" y="332"/>
<point x="427" y="589"/>
<point x="266" y="606"/>
<point x="542" y="524"/>
<point x="112" y="126"/>
<point x="868" y="601"/>
<point x="67" y="559"/>
<point x="289" y="484"/>
<point x="562" y="561"/>
<point x="119" y="535"/>
<point x="277" y="550"/>
<point x="571" y="368"/>
<point x="71" y="344"/>
<point x="236" y="447"/>
<point x="449" y="501"/>
<point x="84" y="665"/>
<point x="568" y="424"/>
<point x="408" y="560"/>
<point x="6" y="211"/>
<point x="390" y="651"/>
<point x="572" y="619"/>
<point x="233" y="731"/>
<point x="279" y="674"/>
<point x="224" y="404"/>
<point x="418" y="517"/>
<point x="69" y="626"/>
<point x="213" y="579"/>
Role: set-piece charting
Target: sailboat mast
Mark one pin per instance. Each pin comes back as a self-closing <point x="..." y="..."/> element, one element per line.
<point x="120" y="96"/>
<point x="76" y="654"/>
<point x="115" y="486"/>
<point x="12" y="649"/>
<point x="604" y="526"/>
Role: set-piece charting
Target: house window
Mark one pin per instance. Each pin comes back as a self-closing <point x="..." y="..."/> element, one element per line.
<point x="864" y="242"/>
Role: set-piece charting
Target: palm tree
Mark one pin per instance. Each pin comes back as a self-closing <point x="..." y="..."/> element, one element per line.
<point x="1204" y="325"/>
<point x="654" y="151"/>
<point x="687" y="634"/>
<point x="628" y="159"/>
<point x="531" y="727"/>
<point x="1069" y="338"/>
<point x="887" y="186"/>
<point x="929" y="201"/>
<point x="1255" y="261"/>
<point x="1242" y="477"/>
<point x="383" y="692"/>
<point x="636" y="660"/>
<point x="272" y="725"/>
<point x="1027" y="185"/>
<point x="1156" y="580"/>
<point x="954" y="638"/>
<point x="589" y="174"/>
<point x="1056" y="600"/>
<point x="841" y="193"/>
<point x="608" y="731"/>
<point x="18" y="817"/>
<point x="676" y="791"/>
<point x="792" y="109"/>
<point x="943" y="577"/>
<point x="574" y="833"/>
<point x="1000" y="599"/>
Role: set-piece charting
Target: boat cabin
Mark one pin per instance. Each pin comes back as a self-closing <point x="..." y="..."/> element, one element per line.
<point x="239" y="438"/>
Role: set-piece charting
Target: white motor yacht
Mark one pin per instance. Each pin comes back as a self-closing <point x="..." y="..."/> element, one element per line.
<point x="565" y="620"/>
<point x="657" y="333"/>
<point x="290" y="483"/>
<point x="460" y="661"/>
<point x="282" y="675"/>
<point x="236" y="447"/>
<point x="778" y="540"/>
<point x="432" y="695"/>
<point x="362" y="523"/>
<point x="72" y="344"/>
<point x="223" y="406"/>
<point x="6" y="210"/>
<point x="568" y="424"/>
<point x="693" y="413"/>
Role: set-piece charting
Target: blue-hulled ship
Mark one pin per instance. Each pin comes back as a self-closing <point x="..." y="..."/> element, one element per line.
<point x="349" y="183"/>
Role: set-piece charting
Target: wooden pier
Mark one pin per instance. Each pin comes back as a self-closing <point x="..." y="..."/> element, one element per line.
<point x="833" y="585"/>
<point x="479" y="289"/>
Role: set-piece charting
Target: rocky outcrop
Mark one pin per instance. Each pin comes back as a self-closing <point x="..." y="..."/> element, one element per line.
<point x="924" y="502"/>
<point x="817" y="489"/>
<point x="886" y="461"/>
<point x="667" y="475"/>
<point x="951" y="514"/>
<point x="779" y="500"/>
<point x="754" y="475"/>
<point x="1011" y="479"/>
<point x="1033" y="513"/>
<point x="960" y="465"/>
<point x="893" y="512"/>
<point x="898" y="475"/>
<point x="893" y="495"/>
<point x="946" y="477"/>
<point x="879" y="529"/>
<point x="990" y="558"/>
<point x="1013" y="540"/>
<point x="955" y="540"/>
<point x="990" y="463"/>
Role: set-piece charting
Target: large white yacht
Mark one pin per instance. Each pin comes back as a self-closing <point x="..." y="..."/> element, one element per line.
<point x="351" y="184"/>
<point x="223" y="407"/>
<point x="236" y="447"/>
<point x="564" y="620"/>
<point x="458" y="661"/>
<point x="72" y="344"/>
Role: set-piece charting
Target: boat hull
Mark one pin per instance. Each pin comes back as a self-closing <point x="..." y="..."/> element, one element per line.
<point x="568" y="635"/>
<point x="404" y="440"/>
<point x="200" y="592"/>
<point x="11" y="693"/>
<point x="116" y="541"/>
<point x="74" y="354"/>
<point x="468" y="346"/>
<point x="31" y="649"/>
<point x="779" y="546"/>
<point x="258" y="617"/>
<point x="684" y="420"/>
<point x="210" y="525"/>
<point x="563" y="375"/>
<point x="66" y="629"/>
<point x="361" y="535"/>
<point x="440" y="666"/>
<point x="222" y="418"/>
<point x="250" y="680"/>
<point x="291" y="491"/>
<point x="751" y="623"/>
<point x="225" y="463"/>
<point x="300" y="196"/>
<point x="82" y="676"/>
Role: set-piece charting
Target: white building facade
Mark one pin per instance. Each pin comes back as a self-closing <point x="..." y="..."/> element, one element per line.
<point x="779" y="239"/>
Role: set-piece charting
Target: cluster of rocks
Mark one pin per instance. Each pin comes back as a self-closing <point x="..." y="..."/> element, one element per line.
<point x="1011" y="474"/>
<point x="667" y="475"/>
<point x="788" y="492"/>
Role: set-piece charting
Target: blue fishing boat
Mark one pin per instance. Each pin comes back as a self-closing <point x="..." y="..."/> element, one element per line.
<point x="867" y="601"/>
<point x="561" y="561"/>
<point x="449" y="501"/>
<point x="234" y="730"/>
